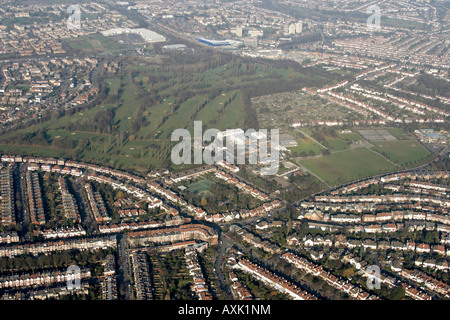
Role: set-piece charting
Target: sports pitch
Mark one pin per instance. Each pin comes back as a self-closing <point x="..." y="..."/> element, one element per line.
<point x="347" y="166"/>
<point x="201" y="187"/>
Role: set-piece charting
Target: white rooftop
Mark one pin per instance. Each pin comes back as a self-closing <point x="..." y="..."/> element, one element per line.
<point x="147" y="35"/>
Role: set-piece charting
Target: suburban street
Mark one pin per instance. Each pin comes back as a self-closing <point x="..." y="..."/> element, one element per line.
<point x="124" y="278"/>
<point x="225" y="243"/>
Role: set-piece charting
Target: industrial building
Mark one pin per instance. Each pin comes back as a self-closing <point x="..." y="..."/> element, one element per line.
<point x="148" y="35"/>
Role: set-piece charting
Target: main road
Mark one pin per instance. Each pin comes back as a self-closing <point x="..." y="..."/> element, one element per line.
<point x="124" y="268"/>
<point x="224" y="244"/>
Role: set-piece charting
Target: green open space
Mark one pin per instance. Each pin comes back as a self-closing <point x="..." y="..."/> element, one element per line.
<point x="399" y="133"/>
<point x="403" y="152"/>
<point x="129" y="124"/>
<point x="337" y="144"/>
<point x="93" y="43"/>
<point x="306" y="147"/>
<point x="348" y="165"/>
<point x="353" y="136"/>
<point x="200" y="187"/>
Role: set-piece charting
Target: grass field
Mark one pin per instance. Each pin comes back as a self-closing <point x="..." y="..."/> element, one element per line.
<point x="305" y="144"/>
<point x="404" y="152"/>
<point x="130" y="128"/>
<point x="348" y="165"/>
<point x="308" y="146"/>
<point x="94" y="43"/>
<point x="337" y="144"/>
<point x="179" y="118"/>
<point x="211" y="116"/>
<point x="399" y="133"/>
<point x="35" y="151"/>
<point x="354" y="136"/>
<point x="150" y="145"/>
<point x="200" y="187"/>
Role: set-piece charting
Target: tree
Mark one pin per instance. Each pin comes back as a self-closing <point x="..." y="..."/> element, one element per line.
<point x="348" y="272"/>
<point x="289" y="226"/>
<point x="120" y="194"/>
<point x="399" y="293"/>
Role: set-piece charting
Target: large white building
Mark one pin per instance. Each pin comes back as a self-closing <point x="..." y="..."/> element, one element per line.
<point x="148" y="35"/>
<point x="295" y="28"/>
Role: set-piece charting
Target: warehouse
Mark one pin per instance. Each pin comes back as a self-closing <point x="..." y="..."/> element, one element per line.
<point x="148" y="35"/>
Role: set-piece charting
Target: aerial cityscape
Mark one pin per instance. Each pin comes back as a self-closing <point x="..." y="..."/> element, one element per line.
<point x="254" y="150"/>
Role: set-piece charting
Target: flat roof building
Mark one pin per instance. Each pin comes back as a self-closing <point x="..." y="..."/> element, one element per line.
<point x="148" y="35"/>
